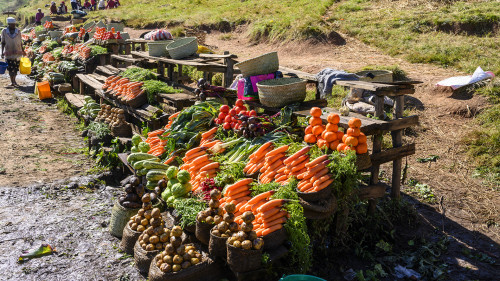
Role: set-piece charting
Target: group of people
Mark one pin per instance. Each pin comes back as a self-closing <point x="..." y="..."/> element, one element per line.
<point x="91" y="5"/>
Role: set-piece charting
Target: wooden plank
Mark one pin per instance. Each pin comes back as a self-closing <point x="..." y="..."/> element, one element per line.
<point x="392" y="154"/>
<point x="409" y="82"/>
<point x="91" y="82"/>
<point x="216" y="56"/>
<point x="300" y="74"/>
<point x="397" y="141"/>
<point x="302" y="110"/>
<point x="176" y="97"/>
<point x="396" y="93"/>
<point x="367" y="85"/>
<point x="98" y="77"/>
<point x="372" y="191"/>
<point x="104" y="70"/>
<point x="123" y="158"/>
<point x="191" y="61"/>
<point x="75" y="100"/>
<point x="126" y="58"/>
<point x="398" y="124"/>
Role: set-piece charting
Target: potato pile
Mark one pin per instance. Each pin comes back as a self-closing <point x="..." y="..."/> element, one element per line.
<point x="227" y="226"/>
<point x="146" y="216"/>
<point x="111" y="115"/>
<point x="133" y="193"/>
<point x="213" y="214"/>
<point x="246" y="238"/>
<point x="176" y="256"/>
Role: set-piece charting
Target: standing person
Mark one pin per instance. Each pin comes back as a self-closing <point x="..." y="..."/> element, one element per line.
<point x="94" y="5"/>
<point x="63" y="9"/>
<point x="87" y="5"/>
<point x="53" y="8"/>
<point x="117" y="3"/>
<point x="39" y="16"/>
<point x="74" y="5"/>
<point x="102" y="4"/>
<point x="111" y="4"/>
<point x="12" y="49"/>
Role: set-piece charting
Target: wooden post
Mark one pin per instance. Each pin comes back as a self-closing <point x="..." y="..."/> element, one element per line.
<point x="170" y="73"/>
<point x="228" y="75"/>
<point x="210" y="76"/>
<point x="133" y="46"/>
<point x="82" y="88"/>
<point x="179" y="73"/>
<point x="397" y="141"/>
<point x="143" y="46"/>
<point x="377" y="147"/>
<point x="127" y="48"/>
<point x="161" y="69"/>
<point x="114" y="62"/>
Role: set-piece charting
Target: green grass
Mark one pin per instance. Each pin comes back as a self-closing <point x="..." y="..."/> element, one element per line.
<point x="421" y="34"/>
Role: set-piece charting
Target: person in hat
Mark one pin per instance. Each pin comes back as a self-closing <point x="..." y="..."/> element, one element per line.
<point x="39" y="16"/>
<point x="63" y="9"/>
<point x="53" y="8"/>
<point x="12" y="49"/>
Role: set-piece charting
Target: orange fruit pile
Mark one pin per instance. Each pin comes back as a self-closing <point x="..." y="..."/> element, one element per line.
<point x="320" y="134"/>
<point x="354" y="139"/>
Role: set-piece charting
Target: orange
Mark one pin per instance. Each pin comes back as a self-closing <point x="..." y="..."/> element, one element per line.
<point x="354" y="123"/>
<point x="322" y="143"/>
<point x="329" y="136"/>
<point x="351" y="141"/>
<point x="349" y="148"/>
<point x="361" y="148"/>
<point x="361" y="138"/>
<point x="310" y="138"/>
<point x="333" y="118"/>
<point x="344" y="137"/>
<point x="308" y="130"/>
<point x="341" y="147"/>
<point x="318" y="129"/>
<point x="313" y="121"/>
<point x="323" y="134"/>
<point x="353" y="132"/>
<point x="332" y="127"/>
<point x="334" y="145"/>
<point x="340" y="135"/>
<point x="315" y="112"/>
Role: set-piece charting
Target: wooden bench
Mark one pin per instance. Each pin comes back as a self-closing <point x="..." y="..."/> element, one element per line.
<point x="126" y="60"/>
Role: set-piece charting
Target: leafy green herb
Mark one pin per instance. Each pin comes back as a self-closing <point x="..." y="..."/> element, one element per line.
<point x="229" y="173"/>
<point x="97" y="50"/>
<point x="258" y="188"/>
<point x="154" y="87"/>
<point x="138" y="74"/>
<point x="188" y="208"/>
<point x="100" y="130"/>
<point x="345" y="174"/>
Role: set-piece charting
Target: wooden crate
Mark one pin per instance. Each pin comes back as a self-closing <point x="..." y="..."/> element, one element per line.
<point x="171" y="103"/>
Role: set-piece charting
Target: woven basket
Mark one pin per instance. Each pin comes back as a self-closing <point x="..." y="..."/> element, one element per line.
<point x="138" y="101"/>
<point x="265" y="64"/>
<point x="128" y="240"/>
<point x="282" y="91"/>
<point x="240" y="260"/>
<point x="182" y="48"/>
<point x="320" y="209"/>
<point x="217" y="246"/>
<point x="203" y="231"/>
<point x="315" y="196"/>
<point x="275" y="239"/>
<point x="123" y="130"/>
<point x="158" y="48"/>
<point x="143" y="258"/>
<point x="119" y="218"/>
<point x="207" y="270"/>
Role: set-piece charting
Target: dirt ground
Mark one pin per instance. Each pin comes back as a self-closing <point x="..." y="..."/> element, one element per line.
<point x="38" y="143"/>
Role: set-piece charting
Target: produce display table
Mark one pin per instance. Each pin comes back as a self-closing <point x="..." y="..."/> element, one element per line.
<point x="76" y="100"/>
<point x="140" y="41"/>
<point x="207" y="63"/>
<point x="127" y="60"/>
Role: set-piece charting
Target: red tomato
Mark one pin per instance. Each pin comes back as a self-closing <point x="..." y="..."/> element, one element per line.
<point x="227" y="126"/>
<point x="224" y="108"/>
<point x="237" y="109"/>
<point x="233" y="125"/>
<point x="234" y="120"/>
<point x="239" y="103"/>
<point x="237" y="126"/>
<point x="253" y="113"/>
<point x="219" y="121"/>
<point x="244" y="112"/>
<point x="228" y="119"/>
<point x="222" y="115"/>
<point x="243" y="108"/>
<point x="232" y="112"/>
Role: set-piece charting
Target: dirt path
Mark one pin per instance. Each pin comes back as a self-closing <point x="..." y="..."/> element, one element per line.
<point x="37" y="142"/>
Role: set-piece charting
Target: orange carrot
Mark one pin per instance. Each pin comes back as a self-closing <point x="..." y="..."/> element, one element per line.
<point x="261" y="149"/>
<point x="239" y="183"/>
<point x="209" y="133"/>
<point x="306" y="187"/>
<point x="323" y="185"/>
<point x="235" y="191"/>
<point x="257" y="205"/>
<point x="317" y="161"/>
<point x="211" y="166"/>
<point x="174" y="115"/>
<point x="194" y="150"/>
<point x="297" y="154"/>
<point x="277" y="216"/>
<point x="274" y="222"/>
<point x="280" y="149"/>
<point x="320" y="174"/>
<point x="272" y="229"/>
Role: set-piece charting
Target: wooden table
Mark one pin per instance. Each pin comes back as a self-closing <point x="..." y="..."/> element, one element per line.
<point x="207" y="63"/>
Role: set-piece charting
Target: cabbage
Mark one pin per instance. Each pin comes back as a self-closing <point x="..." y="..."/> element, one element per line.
<point x="172" y="172"/>
<point x="183" y="176"/>
<point x="136" y="139"/>
<point x="144" y="147"/>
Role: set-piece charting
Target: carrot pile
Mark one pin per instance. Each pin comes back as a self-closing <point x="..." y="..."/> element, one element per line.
<point x="239" y="195"/>
<point x="274" y="167"/>
<point x="269" y="217"/>
<point x="256" y="159"/>
<point x="316" y="177"/>
<point x="171" y="120"/>
<point x="123" y="88"/>
<point x="197" y="162"/>
<point x="156" y="145"/>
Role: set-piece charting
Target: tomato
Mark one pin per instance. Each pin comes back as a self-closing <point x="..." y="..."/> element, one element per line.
<point x="243" y="108"/>
<point x="234" y="120"/>
<point x="222" y="115"/>
<point x="233" y="125"/>
<point x="228" y="119"/>
<point x="244" y="112"/>
<point x="237" y="126"/>
<point x="253" y="113"/>
<point x="232" y="112"/>
<point x="227" y="126"/>
<point x="239" y="103"/>
<point x="224" y="108"/>
<point x="237" y="109"/>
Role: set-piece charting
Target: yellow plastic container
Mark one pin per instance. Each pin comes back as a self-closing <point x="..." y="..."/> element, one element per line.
<point x="25" y="66"/>
<point x="43" y="90"/>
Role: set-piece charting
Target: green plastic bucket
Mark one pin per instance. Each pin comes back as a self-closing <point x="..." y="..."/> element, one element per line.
<point x="301" y="277"/>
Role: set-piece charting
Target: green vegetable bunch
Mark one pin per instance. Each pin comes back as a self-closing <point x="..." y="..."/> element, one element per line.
<point x="97" y="50"/>
<point x="189" y="208"/>
<point x="138" y="74"/>
<point x="154" y="87"/>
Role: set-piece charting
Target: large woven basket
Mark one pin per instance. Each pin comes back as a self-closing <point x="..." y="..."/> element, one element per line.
<point x="143" y="258"/>
<point x="264" y="64"/>
<point x="282" y="91"/>
<point x="157" y="48"/>
<point x="119" y="218"/>
<point x="240" y="260"/>
<point x="182" y="48"/>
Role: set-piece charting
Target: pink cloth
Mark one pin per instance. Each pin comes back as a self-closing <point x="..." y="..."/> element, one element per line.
<point x="258" y="78"/>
